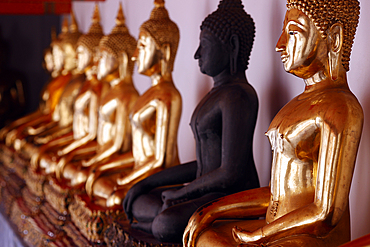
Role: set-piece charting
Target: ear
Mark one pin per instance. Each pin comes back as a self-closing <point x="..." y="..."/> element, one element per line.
<point x="166" y="54"/>
<point x="123" y="65"/>
<point x="234" y="44"/>
<point x="335" y="43"/>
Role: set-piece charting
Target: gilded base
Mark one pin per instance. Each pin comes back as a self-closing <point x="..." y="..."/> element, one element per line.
<point x="91" y="219"/>
<point x="20" y="165"/>
<point x="32" y="201"/>
<point x="76" y="236"/>
<point x="59" y="195"/>
<point x="6" y="155"/>
<point x="35" y="182"/>
<point x="119" y="233"/>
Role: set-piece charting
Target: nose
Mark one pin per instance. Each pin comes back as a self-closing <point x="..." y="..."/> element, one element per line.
<point x="134" y="56"/>
<point x="281" y="44"/>
<point x="197" y="53"/>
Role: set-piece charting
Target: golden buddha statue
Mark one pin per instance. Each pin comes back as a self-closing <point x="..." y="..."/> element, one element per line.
<point x="64" y="63"/>
<point x="154" y="117"/>
<point x="114" y="129"/>
<point x="67" y="162"/>
<point x="62" y="135"/>
<point x="86" y="53"/>
<point x="314" y="139"/>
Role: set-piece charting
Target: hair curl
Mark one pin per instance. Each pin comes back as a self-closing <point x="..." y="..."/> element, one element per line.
<point x="229" y="19"/>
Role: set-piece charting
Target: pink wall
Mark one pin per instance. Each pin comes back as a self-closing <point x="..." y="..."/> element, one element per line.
<point x="274" y="86"/>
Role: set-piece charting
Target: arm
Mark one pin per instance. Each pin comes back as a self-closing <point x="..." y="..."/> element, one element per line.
<point x="18" y="132"/>
<point x="249" y="203"/>
<point x="162" y="122"/>
<point x="122" y="162"/>
<point x="38" y="130"/>
<point x="52" y="134"/>
<point x="93" y="125"/>
<point x="78" y="124"/>
<point x="4" y="131"/>
<point x="334" y="174"/>
<point x="120" y="133"/>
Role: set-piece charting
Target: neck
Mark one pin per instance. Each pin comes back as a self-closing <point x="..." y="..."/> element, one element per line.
<point x="121" y="81"/>
<point x="316" y="78"/>
<point x="112" y="76"/>
<point x="322" y="80"/>
<point x="56" y="73"/>
<point x="159" y="78"/>
<point x="225" y="77"/>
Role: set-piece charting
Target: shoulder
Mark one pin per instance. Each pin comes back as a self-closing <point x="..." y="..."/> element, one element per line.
<point x="343" y="109"/>
<point x="237" y="94"/>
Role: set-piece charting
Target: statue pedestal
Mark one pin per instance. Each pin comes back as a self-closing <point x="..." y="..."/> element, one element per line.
<point x="120" y="233"/>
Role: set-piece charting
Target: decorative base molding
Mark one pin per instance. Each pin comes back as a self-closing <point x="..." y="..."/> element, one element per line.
<point x="50" y="213"/>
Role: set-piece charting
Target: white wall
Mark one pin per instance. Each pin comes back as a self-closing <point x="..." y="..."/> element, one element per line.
<point x="274" y="86"/>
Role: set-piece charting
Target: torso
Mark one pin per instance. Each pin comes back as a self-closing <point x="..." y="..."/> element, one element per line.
<point x="81" y="117"/>
<point x="53" y="91"/>
<point x="144" y="124"/>
<point x="207" y="126"/>
<point x="126" y="96"/>
<point x="64" y="109"/>
<point x="294" y="136"/>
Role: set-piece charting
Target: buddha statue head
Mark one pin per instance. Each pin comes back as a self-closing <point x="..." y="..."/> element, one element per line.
<point x="158" y="41"/>
<point x="57" y="50"/>
<point x="64" y="47"/>
<point x="115" y="46"/>
<point x="226" y="39"/>
<point x="48" y="62"/>
<point x="87" y="44"/>
<point x="318" y="36"/>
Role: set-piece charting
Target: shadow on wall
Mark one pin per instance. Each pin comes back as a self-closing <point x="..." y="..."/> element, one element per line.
<point x="360" y="198"/>
<point x="27" y="37"/>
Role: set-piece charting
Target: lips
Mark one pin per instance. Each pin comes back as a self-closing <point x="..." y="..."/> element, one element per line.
<point x="199" y="63"/>
<point x="284" y="57"/>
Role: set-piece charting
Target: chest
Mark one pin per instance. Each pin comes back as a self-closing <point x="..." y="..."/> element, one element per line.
<point x="207" y="116"/>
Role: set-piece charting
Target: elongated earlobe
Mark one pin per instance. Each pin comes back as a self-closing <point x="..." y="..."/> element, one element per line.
<point x="234" y="43"/>
<point x="335" y="43"/>
<point x="123" y="65"/>
<point x="166" y="53"/>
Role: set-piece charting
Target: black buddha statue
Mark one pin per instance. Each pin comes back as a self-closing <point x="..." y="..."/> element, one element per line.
<point x="223" y="124"/>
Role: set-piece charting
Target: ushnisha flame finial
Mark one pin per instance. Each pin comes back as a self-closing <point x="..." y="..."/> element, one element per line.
<point x="120" y="19"/>
<point x="65" y="28"/>
<point x="73" y="28"/>
<point x="96" y="15"/>
<point x="159" y="3"/>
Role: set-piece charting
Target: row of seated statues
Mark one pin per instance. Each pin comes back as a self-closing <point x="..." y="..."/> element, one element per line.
<point x="97" y="155"/>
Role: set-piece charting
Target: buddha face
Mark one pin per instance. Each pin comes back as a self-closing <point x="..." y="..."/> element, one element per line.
<point x="84" y="57"/>
<point x="49" y="63"/>
<point x="58" y="57"/>
<point x="212" y="55"/>
<point x="303" y="50"/>
<point x="107" y="64"/>
<point x="146" y="54"/>
<point x="70" y="57"/>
